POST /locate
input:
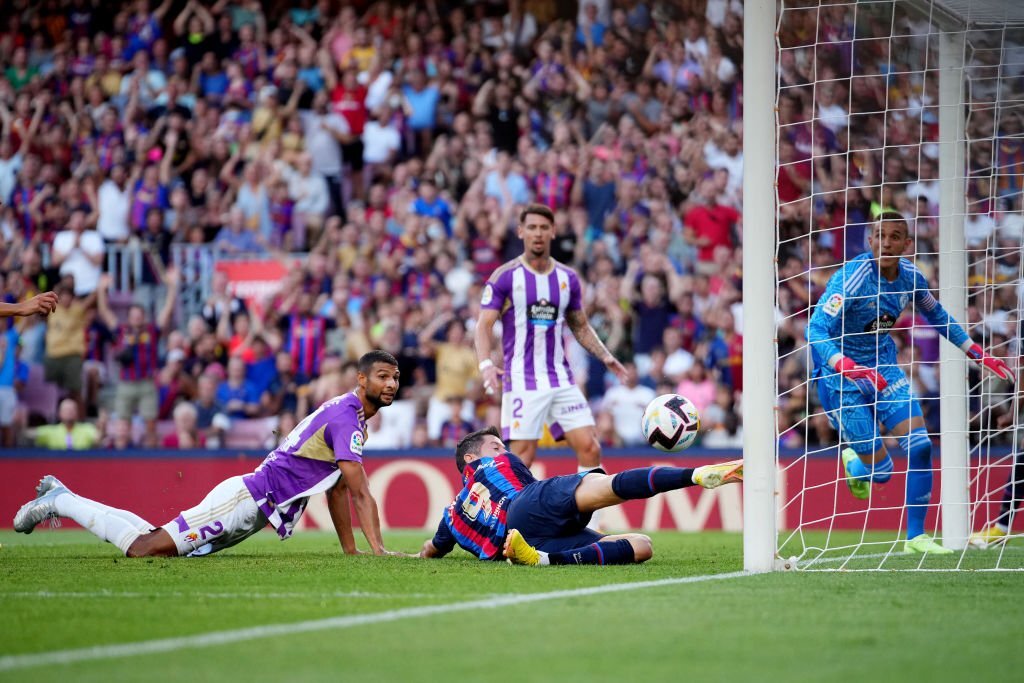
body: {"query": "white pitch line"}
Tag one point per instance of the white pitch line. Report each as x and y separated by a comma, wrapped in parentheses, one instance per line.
(12, 662)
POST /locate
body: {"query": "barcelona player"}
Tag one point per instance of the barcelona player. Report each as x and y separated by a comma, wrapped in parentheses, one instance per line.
(503, 511)
(855, 366)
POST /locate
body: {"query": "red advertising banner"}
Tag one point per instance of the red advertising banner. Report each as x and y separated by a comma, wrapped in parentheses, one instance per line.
(412, 490)
(254, 280)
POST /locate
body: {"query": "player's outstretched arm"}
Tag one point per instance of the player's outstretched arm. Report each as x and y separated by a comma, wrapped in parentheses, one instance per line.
(366, 506)
(341, 516)
(937, 316)
(588, 339)
(43, 304)
(483, 340)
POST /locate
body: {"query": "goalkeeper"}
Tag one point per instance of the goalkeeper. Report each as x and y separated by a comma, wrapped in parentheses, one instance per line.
(859, 382)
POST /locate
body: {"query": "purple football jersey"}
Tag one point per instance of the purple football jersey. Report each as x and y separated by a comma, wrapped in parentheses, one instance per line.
(533, 307)
(305, 463)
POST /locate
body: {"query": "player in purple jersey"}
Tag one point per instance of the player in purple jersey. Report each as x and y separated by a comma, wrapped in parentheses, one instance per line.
(323, 454)
(536, 297)
(502, 510)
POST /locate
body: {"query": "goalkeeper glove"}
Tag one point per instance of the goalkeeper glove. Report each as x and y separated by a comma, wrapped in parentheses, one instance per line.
(868, 380)
(995, 365)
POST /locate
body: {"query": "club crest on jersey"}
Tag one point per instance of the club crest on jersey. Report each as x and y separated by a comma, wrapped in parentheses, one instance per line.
(542, 313)
(904, 298)
(487, 296)
(356, 444)
(834, 305)
(884, 322)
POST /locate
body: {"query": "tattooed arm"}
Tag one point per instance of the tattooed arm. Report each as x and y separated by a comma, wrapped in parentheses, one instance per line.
(587, 337)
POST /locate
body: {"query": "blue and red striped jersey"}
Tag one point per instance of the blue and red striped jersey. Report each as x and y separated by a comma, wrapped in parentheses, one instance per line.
(142, 347)
(475, 520)
(307, 343)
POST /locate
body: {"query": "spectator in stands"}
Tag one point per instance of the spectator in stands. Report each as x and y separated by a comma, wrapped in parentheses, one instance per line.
(66, 343)
(710, 225)
(186, 433)
(78, 253)
(136, 348)
(237, 394)
(13, 375)
(69, 433)
(282, 394)
(456, 370)
(626, 403)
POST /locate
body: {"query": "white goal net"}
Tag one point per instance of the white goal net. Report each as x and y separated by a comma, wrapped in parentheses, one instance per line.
(916, 108)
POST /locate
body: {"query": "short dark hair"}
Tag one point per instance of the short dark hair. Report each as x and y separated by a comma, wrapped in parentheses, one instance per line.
(471, 443)
(538, 209)
(367, 360)
(894, 216)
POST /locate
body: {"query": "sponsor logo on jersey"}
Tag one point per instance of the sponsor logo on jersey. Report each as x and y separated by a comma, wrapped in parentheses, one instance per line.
(356, 444)
(882, 323)
(542, 313)
(487, 296)
(834, 305)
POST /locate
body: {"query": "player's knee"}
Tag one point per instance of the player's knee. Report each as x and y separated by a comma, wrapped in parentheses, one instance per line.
(643, 550)
(918, 445)
(590, 454)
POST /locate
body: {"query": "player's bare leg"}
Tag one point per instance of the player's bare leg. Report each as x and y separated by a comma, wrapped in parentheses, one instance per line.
(586, 446)
(156, 543)
(526, 450)
(584, 442)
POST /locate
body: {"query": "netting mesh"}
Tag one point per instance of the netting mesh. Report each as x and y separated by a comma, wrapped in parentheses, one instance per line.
(858, 110)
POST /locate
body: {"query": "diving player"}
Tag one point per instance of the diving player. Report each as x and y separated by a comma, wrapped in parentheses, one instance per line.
(502, 510)
(859, 382)
(322, 454)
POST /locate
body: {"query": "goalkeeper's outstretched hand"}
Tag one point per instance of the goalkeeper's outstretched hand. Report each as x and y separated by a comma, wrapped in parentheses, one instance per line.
(996, 366)
(867, 380)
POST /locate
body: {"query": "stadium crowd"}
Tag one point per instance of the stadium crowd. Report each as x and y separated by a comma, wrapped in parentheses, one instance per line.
(390, 145)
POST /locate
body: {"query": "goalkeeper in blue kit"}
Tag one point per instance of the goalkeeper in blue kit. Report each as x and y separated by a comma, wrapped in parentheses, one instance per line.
(859, 382)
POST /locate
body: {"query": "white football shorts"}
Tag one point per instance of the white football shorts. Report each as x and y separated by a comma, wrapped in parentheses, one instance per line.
(524, 413)
(227, 516)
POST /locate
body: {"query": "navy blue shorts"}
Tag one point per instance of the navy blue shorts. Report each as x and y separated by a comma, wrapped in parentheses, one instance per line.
(545, 513)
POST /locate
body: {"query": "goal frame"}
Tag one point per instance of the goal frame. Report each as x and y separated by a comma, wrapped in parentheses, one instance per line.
(761, 494)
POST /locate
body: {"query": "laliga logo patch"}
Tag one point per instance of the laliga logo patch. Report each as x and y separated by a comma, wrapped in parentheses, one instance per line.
(356, 444)
(487, 296)
(834, 305)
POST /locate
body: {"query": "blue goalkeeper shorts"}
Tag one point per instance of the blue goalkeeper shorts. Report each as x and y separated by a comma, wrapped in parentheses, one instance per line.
(856, 417)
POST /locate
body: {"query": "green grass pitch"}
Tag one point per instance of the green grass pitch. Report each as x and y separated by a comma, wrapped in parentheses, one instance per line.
(63, 590)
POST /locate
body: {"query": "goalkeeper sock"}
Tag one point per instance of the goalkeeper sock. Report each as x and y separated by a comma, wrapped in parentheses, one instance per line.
(645, 482)
(881, 471)
(119, 527)
(602, 552)
(919, 480)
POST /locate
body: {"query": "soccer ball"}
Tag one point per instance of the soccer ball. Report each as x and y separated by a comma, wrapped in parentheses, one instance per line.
(671, 423)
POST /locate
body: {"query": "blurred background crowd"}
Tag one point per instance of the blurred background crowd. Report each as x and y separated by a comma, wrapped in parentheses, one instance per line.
(378, 153)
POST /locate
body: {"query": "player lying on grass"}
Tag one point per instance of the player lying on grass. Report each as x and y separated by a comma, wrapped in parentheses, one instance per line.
(323, 453)
(859, 381)
(503, 509)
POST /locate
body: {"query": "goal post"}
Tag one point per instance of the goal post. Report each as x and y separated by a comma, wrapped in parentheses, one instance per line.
(759, 350)
(953, 287)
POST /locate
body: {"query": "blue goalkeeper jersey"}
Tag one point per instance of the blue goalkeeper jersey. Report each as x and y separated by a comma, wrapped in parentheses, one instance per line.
(858, 308)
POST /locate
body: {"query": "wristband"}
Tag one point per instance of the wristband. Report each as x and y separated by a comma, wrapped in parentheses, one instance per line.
(484, 364)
